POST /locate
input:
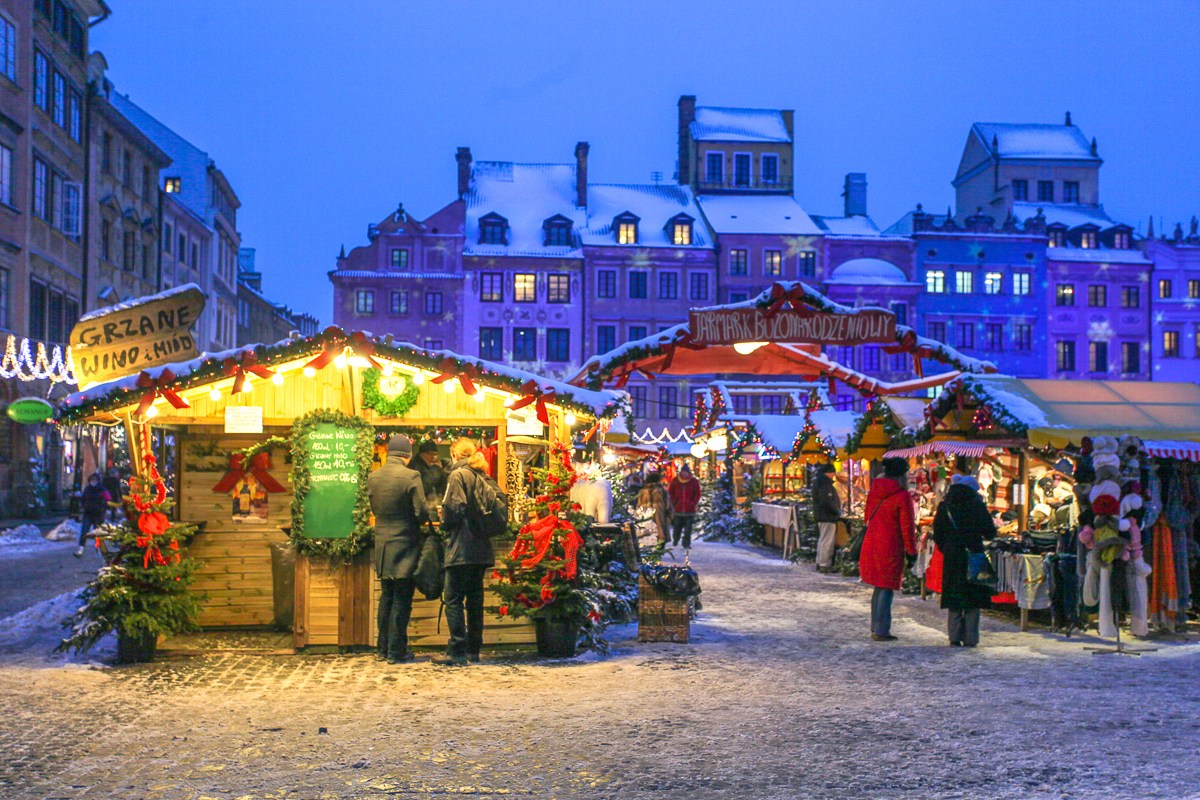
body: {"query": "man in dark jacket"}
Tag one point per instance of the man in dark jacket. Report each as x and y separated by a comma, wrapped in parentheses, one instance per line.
(94, 505)
(398, 502)
(827, 510)
(469, 554)
(432, 469)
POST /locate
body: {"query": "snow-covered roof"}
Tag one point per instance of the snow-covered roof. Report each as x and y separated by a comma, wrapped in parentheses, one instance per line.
(1070, 215)
(395, 274)
(847, 226)
(868, 272)
(206, 368)
(715, 124)
(652, 204)
(779, 431)
(779, 214)
(526, 195)
(1097, 255)
(133, 302)
(908, 411)
(1034, 140)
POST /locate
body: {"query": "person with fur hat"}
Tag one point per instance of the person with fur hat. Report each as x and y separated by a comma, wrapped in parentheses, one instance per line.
(398, 503)
(889, 538)
(654, 497)
(827, 510)
(960, 526)
(432, 469)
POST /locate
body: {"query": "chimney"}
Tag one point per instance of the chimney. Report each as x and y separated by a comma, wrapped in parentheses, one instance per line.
(855, 194)
(788, 117)
(687, 115)
(581, 153)
(463, 157)
(1068, 120)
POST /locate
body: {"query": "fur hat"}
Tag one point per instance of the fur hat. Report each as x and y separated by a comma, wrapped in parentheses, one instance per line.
(1106, 460)
(1103, 444)
(1105, 488)
(1130, 503)
(1106, 505)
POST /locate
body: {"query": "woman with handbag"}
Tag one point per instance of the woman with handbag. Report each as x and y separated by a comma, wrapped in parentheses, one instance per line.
(961, 524)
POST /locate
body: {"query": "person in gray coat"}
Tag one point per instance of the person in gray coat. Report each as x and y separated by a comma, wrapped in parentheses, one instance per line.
(398, 502)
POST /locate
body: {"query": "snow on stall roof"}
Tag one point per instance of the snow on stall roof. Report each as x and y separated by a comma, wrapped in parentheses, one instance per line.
(137, 301)
(868, 272)
(526, 195)
(779, 430)
(653, 204)
(596, 399)
(908, 411)
(847, 226)
(1035, 140)
(779, 214)
(717, 124)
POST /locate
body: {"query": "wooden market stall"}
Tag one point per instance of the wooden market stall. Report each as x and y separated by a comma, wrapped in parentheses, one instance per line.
(238, 418)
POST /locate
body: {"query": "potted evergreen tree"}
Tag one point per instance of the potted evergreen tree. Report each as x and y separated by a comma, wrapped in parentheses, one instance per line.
(142, 592)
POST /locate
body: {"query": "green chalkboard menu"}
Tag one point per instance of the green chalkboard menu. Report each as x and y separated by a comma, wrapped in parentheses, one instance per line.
(331, 460)
(333, 473)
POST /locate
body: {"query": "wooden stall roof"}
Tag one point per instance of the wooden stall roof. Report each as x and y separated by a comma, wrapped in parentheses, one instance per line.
(1057, 413)
(361, 349)
(672, 352)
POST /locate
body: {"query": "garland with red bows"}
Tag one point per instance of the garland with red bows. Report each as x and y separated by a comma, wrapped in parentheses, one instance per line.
(255, 460)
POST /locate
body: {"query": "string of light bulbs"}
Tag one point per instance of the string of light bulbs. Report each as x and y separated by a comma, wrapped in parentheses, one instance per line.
(53, 364)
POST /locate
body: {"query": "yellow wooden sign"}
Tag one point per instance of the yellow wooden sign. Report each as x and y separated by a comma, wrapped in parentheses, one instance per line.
(112, 343)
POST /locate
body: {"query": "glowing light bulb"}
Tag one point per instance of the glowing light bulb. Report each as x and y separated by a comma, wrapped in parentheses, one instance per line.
(698, 450)
(570, 419)
(448, 387)
(340, 361)
(247, 385)
(609, 457)
(418, 379)
(478, 397)
(309, 372)
(214, 394)
(746, 348)
(387, 368)
(151, 412)
(277, 379)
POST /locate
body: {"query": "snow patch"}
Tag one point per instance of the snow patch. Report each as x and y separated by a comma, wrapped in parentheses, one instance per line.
(22, 534)
(65, 531)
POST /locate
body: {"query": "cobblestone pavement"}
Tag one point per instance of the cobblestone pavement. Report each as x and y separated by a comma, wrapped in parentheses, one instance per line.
(780, 695)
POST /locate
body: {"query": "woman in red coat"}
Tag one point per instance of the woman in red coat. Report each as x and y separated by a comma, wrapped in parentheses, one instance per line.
(890, 537)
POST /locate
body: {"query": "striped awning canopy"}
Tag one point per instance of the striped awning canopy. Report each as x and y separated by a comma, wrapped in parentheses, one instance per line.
(1168, 448)
(952, 448)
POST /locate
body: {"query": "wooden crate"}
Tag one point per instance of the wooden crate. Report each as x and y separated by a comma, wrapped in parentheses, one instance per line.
(661, 617)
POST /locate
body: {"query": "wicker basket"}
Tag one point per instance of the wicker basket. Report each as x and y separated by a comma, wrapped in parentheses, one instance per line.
(661, 617)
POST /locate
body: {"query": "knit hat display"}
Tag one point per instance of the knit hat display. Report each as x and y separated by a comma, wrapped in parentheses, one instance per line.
(1103, 444)
(1105, 488)
(1106, 505)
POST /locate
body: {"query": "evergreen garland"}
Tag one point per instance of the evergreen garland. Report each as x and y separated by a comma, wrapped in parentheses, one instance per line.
(362, 535)
(385, 406)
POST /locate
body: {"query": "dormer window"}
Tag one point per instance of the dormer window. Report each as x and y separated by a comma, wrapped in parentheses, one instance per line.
(1057, 234)
(679, 229)
(557, 232)
(625, 226)
(1087, 240)
(1084, 236)
(493, 229)
(1121, 240)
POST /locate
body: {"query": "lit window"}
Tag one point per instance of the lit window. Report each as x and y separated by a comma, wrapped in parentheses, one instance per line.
(558, 288)
(491, 287)
(935, 281)
(525, 287)
(993, 283)
(1088, 240)
(738, 263)
(1064, 294)
(1097, 296)
(1097, 356)
(1020, 282)
(1170, 344)
(964, 282)
(525, 344)
(627, 233)
(772, 263)
(1164, 289)
(173, 185)
(364, 301)
(400, 302)
(1057, 237)
(1194, 289)
(681, 233)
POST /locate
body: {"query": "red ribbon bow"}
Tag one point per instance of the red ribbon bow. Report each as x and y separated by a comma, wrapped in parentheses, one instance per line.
(542, 532)
(362, 346)
(258, 466)
(535, 394)
(334, 342)
(781, 297)
(158, 387)
(467, 374)
(248, 363)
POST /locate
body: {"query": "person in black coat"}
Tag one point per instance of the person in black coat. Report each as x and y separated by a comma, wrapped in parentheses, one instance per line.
(398, 502)
(469, 554)
(827, 510)
(433, 471)
(960, 526)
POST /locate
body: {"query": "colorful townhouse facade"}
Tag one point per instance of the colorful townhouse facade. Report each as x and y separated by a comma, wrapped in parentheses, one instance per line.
(1175, 304)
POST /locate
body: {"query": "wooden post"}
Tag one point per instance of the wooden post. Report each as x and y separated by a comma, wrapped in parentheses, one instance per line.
(300, 599)
(1023, 479)
(133, 441)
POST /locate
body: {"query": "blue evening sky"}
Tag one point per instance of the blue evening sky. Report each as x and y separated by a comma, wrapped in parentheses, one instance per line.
(324, 114)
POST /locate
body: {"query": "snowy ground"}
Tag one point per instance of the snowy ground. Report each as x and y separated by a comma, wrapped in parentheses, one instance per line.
(781, 694)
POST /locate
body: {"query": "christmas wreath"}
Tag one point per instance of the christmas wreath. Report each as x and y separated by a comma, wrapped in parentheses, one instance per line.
(362, 534)
(396, 406)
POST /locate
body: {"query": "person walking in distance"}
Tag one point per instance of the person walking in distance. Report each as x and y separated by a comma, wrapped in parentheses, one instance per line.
(684, 494)
(472, 510)
(94, 506)
(398, 503)
(116, 493)
(654, 497)
(889, 538)
(961, 524)
(827, 510)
